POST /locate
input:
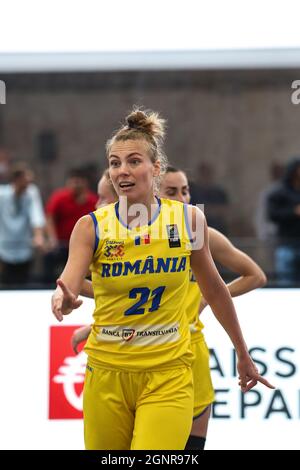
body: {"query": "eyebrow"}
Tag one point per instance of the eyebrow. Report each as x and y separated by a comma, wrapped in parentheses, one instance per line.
(128, 156)
(175, 187)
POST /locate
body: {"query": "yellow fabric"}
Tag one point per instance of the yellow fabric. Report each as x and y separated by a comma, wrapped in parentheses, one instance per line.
(192, 309)
(140, 291)
(137, 410)
(203, 388)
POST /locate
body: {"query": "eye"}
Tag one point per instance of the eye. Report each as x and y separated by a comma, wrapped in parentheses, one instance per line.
(134, 161)
(114, 163)
(171, 192)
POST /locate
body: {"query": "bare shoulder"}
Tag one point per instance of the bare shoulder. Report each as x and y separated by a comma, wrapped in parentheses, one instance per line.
(195, 215)
(197, 227)
(84, 229)
(85, 222)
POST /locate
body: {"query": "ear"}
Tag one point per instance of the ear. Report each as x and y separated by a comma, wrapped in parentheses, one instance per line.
(156, 168)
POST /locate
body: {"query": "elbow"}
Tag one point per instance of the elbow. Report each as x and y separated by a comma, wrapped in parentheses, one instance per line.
(261, 279)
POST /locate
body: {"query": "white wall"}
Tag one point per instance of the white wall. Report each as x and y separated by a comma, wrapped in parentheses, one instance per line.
(57, 34)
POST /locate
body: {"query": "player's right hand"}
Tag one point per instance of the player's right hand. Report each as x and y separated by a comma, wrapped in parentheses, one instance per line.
(63, 300)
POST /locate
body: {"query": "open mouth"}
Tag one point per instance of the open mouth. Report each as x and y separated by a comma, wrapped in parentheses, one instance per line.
(126, 185)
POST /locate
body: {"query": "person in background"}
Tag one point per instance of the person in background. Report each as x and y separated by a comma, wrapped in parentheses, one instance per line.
(265, 228)
(204, 190)
(106, 191)
(63, 209)
(5, 163)
(22, 225)
(284, 211)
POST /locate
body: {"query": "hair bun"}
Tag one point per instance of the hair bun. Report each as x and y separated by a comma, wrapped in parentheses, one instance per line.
(137, 120)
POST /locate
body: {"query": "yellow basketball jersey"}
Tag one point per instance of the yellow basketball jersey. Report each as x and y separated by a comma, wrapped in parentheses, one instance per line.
(192, 309)
(140, 278)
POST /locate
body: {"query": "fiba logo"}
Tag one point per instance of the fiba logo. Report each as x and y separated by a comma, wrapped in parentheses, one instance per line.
(2, 92)
(66, 375)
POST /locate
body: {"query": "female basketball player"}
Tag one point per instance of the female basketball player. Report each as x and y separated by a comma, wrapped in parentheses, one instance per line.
(174, 185)
(138, 391)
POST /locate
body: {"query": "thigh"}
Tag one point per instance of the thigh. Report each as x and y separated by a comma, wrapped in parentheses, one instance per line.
(203, 388)
(200, 424)
(164, 411)
(108, 419)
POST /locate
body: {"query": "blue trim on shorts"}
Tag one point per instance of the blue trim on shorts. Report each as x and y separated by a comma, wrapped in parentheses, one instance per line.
(96, 230)
(202, 412)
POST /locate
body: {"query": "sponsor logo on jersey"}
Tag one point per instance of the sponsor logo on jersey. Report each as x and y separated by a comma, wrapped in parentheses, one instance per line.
(128, 334)
(149, 265)
(114, 249)
(173, 236)
(141, 336)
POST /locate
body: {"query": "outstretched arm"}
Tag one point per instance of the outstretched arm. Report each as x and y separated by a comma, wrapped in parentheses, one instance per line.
(81, 250)
(218, 297)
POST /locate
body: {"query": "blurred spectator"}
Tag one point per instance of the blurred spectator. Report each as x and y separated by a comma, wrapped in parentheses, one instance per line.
(4, 166)
(264, 227)
(64, 207)
(284, 211)
(92, 172)
(22, 223)
(205, 191)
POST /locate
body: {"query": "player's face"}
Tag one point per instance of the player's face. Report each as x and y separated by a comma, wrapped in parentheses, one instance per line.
(131, 170)
(105, 193)
(175, 186)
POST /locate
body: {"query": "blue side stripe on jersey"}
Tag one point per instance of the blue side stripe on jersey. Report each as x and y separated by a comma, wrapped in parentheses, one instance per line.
(96, 231)
(186, 218)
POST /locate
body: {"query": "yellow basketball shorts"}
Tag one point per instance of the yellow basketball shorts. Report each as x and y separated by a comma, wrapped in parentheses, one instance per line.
(137, 410)
(203, 388)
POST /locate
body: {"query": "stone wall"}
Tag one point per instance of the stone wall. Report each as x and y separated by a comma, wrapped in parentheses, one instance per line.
(240, 121)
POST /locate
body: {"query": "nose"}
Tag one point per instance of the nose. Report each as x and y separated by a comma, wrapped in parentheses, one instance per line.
(180, 198)
(124, 169)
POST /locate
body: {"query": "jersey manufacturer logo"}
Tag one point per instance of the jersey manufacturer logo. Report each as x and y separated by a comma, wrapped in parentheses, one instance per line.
(114, 250)
(173, 236)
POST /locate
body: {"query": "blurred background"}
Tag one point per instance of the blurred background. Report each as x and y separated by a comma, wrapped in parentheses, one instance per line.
(225, 88)
(224, 74)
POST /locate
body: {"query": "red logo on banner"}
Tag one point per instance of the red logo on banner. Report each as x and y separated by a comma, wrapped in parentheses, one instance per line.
(66, 375)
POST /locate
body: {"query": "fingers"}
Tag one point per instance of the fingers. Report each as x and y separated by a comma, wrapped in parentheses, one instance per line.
(64, 288)
(246, 383)
(57, 312)
(74, 344)
(245, 387)
(56, 306)
(265, 382)
(77, 303)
